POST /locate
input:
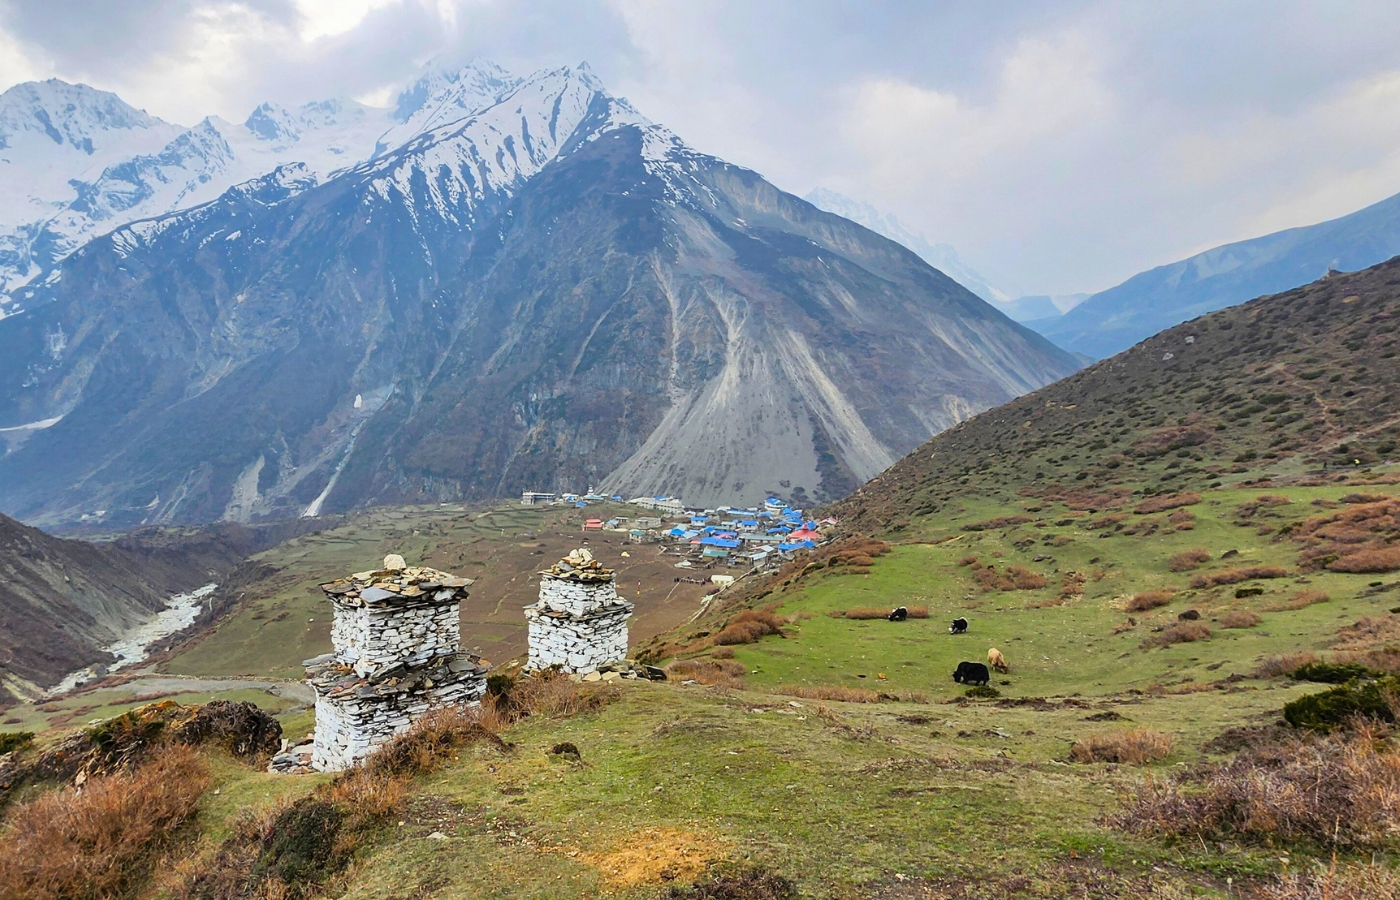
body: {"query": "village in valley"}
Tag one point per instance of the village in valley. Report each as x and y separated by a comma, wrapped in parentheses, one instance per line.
(746, 538)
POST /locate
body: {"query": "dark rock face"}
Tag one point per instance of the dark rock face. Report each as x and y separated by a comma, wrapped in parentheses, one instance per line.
(581, 301)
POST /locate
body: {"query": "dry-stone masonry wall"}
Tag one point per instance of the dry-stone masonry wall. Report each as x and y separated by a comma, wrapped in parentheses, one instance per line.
(397, 655)
(579, 623)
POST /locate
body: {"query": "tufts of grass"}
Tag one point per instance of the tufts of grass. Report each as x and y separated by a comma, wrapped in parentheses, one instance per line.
(1284, 664)
(1136, 746)
(836, 692)
(743, 884)
(727, 673)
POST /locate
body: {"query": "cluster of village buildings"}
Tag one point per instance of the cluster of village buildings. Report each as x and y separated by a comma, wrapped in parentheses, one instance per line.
(758, 536)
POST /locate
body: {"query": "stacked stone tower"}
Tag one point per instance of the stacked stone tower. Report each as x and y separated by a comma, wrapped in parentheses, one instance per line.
(579, 623)
(397, 639)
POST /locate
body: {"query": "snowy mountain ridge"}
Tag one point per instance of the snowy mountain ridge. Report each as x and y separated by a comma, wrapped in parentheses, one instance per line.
(121, 165)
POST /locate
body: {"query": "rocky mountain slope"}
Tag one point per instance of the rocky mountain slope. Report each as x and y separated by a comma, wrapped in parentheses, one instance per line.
(113, 164)
(551, 291)
(1304, 381)
(1115, 319)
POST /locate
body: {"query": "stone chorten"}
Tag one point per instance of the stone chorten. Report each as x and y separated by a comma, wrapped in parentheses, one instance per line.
(397, 637)
(579, 623)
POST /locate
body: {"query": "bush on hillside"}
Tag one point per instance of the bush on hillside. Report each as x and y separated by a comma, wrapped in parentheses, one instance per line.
(1331, 673)
(1180, 633)
(1324, 789)
(11, 741)
(1240, 618)
(748, 626)
(1235, 576)
(1382, 559)
(1344, 705)
(1187, 560)
(101, 839)
(1285, 664)
(1145, 600)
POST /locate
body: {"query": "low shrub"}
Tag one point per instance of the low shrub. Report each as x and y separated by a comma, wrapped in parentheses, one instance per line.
(1330, 673)
(1235, 576)
(1180, 633)
(1344, 705)
(1382, 559)
(867, 613)
(101, 839)
(722, 653)
(1299, 600)
(1145, 600)
(1161, 504)
(1136, 746)
(1240, 618)
(982, 692)
(1026, 580)
(748, 626)
(1341, 788)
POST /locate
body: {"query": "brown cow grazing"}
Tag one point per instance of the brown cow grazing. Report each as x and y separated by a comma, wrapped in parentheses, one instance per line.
(998, 661)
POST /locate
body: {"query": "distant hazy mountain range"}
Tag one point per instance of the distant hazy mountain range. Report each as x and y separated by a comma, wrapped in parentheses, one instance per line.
(945, 259)
(1115, 319)
(499, 284)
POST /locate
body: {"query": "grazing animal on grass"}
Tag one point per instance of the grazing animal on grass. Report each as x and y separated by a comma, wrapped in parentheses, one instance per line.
(899, 614)
(972, 673)
(959, 626)
(997, 661)
(1190, 615)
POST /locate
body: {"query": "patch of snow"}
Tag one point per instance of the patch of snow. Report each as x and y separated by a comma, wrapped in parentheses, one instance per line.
(33, 426)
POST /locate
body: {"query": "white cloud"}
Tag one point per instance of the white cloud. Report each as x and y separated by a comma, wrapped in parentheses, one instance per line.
(17, 64)
(324, 18)
(909, 134)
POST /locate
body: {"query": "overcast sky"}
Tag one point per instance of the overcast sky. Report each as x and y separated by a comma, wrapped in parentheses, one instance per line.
(1060, 147)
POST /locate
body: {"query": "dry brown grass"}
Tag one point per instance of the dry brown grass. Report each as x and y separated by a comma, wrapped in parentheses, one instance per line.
(1180, 633)
(1285, 664)
(1235, 576)
(835, 692)
(1187, 560)
(1379, 559)
(1015, 578)
(1136, 746)
(1342, 790)
(1161, 504)
(722, 653)
(1145, 600)
(1347, 882)
(99, 841)
(1299, 600)
(1240, 618)
(726, 673)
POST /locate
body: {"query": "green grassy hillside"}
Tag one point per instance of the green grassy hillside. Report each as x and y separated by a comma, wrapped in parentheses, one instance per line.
(1302, 382)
